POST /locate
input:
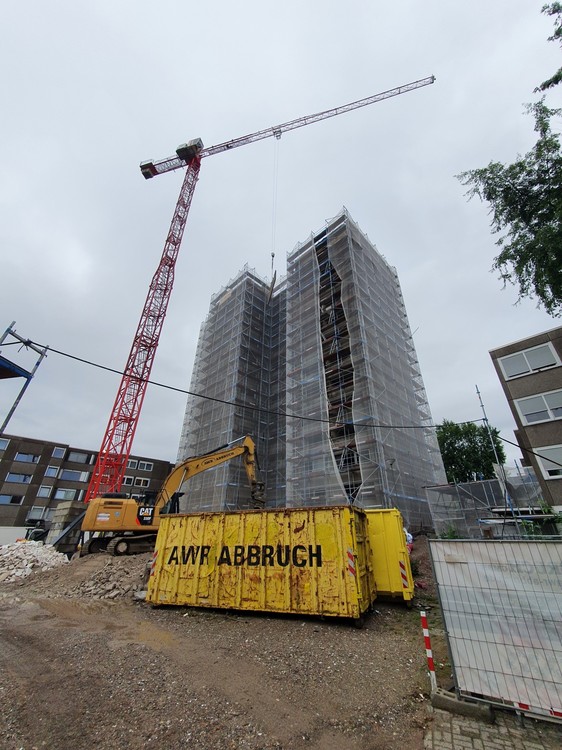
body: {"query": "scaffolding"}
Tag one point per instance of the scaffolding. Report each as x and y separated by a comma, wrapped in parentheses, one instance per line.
(239, 369)
(10, 369)
(330, 347)
(351, 364)
(509, 507)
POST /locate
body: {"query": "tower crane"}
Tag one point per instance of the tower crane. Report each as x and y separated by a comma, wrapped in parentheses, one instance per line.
(118, 438)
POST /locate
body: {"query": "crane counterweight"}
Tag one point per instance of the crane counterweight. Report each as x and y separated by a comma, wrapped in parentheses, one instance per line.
(187, 151)
(148, 169)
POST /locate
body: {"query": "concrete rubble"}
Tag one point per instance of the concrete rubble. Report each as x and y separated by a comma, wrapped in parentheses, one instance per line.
(20, 559)
(51, 574)
(118, 578)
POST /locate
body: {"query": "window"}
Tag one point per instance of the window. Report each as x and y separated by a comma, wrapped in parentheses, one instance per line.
(11, 499)
(27, 458)
(132, 464)
(36, 513)
(141, 482)
(145, 466)
(529, 360)
(51, 471)
(4, 442)
(59, 452)
(44, 491)
(127, 481)
(74, 476)
(550, 461)
(540, 408)
(79, 458)
(65, 494)
(21, 478)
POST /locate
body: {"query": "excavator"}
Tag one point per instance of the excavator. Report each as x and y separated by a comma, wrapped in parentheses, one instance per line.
(126, 526)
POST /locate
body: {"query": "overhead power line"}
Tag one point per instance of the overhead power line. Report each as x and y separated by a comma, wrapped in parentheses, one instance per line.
(270, 411)
(280, 413)
(250, 407)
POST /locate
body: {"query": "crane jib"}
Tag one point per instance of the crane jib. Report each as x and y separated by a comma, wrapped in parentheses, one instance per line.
(153, 168)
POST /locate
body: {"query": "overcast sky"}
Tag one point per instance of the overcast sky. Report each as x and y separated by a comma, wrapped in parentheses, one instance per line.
(89, 90)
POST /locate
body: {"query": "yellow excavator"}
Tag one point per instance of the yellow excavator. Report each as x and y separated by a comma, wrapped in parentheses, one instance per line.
(127, 526)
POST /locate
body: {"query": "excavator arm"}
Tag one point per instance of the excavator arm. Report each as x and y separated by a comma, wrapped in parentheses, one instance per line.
(125, 526)
(167, 500)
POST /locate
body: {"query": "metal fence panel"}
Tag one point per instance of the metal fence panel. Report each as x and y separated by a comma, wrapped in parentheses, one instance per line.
(502, 606)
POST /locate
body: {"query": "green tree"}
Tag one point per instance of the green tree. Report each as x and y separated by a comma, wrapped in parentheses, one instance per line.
(525, 201)
(467, 450)
(553, 9)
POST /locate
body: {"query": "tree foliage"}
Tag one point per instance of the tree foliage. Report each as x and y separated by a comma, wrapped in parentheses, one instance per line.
(553, 9)
(525, 201)
(467, 450)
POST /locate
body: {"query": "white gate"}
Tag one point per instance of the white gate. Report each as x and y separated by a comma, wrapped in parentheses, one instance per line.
(502, 606)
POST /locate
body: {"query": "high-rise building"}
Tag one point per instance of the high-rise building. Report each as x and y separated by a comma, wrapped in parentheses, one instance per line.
(240, 369)
(323, 373)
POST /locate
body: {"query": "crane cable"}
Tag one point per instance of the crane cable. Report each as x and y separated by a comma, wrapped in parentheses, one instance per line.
(274, 198)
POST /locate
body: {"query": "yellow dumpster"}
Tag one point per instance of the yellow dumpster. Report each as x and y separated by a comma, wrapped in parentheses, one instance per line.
(306, 561)
(389, 555)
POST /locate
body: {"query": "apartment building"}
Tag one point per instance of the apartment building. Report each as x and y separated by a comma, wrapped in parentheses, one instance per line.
(530, 372)
(35, 475)
(322, 372)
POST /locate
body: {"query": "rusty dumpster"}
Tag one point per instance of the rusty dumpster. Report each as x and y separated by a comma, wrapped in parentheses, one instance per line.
(390, 558)
(305, 561)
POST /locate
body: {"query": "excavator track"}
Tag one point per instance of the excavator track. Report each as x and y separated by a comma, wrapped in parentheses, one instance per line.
(93, 546)
(131, 544)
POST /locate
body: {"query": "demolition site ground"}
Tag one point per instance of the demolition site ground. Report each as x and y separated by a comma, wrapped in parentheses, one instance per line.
(83, 665)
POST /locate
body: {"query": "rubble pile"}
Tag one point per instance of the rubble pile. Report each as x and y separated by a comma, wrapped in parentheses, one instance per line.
(20, 559)
(98, 576)
(120, 577)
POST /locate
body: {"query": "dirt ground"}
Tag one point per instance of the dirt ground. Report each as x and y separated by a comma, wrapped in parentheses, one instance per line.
(78, 673)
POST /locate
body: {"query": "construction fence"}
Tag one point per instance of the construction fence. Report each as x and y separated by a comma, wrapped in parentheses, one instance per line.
(502, 607)
(490, 508)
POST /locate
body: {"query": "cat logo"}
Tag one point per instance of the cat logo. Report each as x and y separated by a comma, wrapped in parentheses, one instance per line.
(145, 515)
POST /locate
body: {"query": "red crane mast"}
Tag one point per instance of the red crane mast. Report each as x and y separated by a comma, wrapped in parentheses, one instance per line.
(118, 438)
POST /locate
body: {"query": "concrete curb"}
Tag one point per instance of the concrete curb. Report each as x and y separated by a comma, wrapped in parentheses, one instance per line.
(449, 702)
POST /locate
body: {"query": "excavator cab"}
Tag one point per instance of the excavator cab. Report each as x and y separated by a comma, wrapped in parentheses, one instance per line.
(148, 498)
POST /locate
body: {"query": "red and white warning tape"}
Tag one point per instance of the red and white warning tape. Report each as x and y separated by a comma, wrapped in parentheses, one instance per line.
(428, 651)
(552, 712)
(351, 562)
(403, 575)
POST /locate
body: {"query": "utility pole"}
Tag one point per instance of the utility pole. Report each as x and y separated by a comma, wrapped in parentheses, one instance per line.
(503, 476)
(28, 375)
